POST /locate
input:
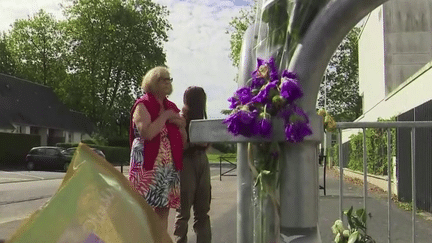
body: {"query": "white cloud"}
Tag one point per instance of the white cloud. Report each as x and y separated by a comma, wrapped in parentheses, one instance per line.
(197, 49)
(22, 9)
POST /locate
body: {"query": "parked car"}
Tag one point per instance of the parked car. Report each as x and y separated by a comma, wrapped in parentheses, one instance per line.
(47, 156)
(70, 152)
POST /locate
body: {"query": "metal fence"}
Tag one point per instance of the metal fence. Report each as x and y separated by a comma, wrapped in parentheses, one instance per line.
(423, 157)
(413, 128)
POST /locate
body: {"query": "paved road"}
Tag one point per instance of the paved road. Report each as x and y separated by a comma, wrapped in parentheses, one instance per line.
(22, 192)
(224, 213)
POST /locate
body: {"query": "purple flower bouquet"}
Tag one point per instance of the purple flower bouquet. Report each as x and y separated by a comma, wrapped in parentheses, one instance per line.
(268, 95)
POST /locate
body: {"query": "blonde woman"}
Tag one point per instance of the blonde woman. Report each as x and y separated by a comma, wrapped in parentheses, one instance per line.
(157, 135)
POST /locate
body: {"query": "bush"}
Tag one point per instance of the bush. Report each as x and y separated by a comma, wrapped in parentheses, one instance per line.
(225, 147)
(66, 145)
(333, 153)
(114, 155)
(118, 142)
(88, 141)
(14, 148)
(376, 146)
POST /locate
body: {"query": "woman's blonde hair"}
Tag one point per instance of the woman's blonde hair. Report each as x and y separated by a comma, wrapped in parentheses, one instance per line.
(151, 77)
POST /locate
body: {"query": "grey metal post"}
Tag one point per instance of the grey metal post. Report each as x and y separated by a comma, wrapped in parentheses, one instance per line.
(389, 174)
(413, 184)
(365, 173)
(244, 196)
(299, 187)
(244, 181)
(309, 62)
(341, 175)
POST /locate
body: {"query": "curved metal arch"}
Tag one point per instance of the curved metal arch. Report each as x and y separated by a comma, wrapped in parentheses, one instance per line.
(322, 38)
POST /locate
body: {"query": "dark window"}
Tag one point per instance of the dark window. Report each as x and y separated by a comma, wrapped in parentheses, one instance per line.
(37, 151)
(51, 152)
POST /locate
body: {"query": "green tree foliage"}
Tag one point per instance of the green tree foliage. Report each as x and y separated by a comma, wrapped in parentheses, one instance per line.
(340, 83)
(113, 43)
(7, 64)
(95, 59)
(37, 46)
(237, 28)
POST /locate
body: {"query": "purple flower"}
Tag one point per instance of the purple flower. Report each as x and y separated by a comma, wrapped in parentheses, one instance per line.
(233, 102)
(290, 90)
(273, 70)
(266, 70)
(265, 128)
(286, 113)
(244, 95)
(299, 114)
(242, 123)
(296, 132)
(257, 82)
(289, 75)
(263, 96)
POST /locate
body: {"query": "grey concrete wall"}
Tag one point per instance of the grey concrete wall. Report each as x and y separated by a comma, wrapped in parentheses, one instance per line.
(407, 39)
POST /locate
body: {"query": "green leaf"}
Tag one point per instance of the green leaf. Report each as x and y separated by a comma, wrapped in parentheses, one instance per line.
(353, 237)
(361, 214)
(348, 213)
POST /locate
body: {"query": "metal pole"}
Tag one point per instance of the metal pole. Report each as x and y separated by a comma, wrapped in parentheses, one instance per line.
(413, 183)
(340, 176)
(299, 192)
(244, 198)
(220, 168)
(244, 180)
(389, 166)
(365, 172)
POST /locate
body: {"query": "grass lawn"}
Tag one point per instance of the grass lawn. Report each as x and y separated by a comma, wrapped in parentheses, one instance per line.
(214, 158)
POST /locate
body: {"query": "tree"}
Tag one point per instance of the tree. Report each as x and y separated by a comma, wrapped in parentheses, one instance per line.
(113, 43)
(37, 46)
(341, 78)
(237, 28)
(340, 85)
(7, 65)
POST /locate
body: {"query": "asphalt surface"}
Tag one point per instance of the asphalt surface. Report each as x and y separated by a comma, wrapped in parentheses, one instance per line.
(223, 211)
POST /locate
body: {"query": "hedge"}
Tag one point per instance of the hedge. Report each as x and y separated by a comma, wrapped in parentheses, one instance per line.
(376, 146)
(15, 146)
(114, 155)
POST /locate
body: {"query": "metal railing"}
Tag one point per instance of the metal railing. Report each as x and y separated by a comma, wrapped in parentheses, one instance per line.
(385, 125)
(226, 158)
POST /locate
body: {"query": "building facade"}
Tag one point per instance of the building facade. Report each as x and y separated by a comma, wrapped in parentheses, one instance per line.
(30, 108)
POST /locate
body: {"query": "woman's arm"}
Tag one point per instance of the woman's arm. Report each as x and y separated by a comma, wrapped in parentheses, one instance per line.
(147, 129)
(184, 136)
(180, 122)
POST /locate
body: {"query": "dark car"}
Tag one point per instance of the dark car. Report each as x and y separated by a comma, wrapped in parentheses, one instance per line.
(70, 152)
(47, 157)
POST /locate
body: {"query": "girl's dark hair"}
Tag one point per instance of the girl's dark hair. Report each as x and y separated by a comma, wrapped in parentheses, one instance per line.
(195, 98)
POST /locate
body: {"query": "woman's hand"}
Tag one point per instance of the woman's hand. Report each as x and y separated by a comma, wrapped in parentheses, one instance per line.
(170, 114)
(178, 121)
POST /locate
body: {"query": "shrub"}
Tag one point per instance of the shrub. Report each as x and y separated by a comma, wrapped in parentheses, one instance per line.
(114, 155)
(376, 149)
(225, 147)
(118, 142)
(14, 148)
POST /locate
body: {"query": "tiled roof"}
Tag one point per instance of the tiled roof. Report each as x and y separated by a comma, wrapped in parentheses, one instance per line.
(32, 104)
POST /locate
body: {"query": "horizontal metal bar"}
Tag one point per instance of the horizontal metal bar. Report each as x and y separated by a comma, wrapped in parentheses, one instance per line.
(213, 130)
(396, 124)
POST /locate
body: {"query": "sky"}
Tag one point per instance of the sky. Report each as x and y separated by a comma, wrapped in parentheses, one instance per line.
(197, 49)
